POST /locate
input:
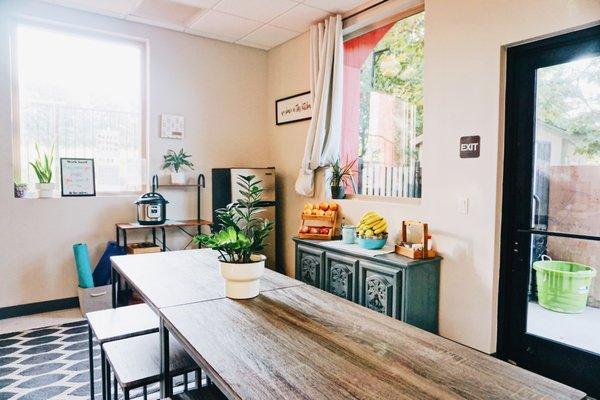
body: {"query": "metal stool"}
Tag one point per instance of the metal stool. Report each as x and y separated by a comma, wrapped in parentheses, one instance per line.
(210, 392)
(135, 363)
(116, 324)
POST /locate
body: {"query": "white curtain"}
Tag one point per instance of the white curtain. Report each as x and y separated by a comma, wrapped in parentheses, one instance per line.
(326, 79)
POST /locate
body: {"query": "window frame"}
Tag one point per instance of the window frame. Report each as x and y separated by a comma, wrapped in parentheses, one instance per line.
(353, 27)
(112, 37)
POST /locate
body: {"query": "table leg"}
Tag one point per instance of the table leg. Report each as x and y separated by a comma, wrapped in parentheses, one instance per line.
(115, 291)
(91, 350)
(165, 382)
(164, 237)
(103, 370)
(154, 236)
(118, 236)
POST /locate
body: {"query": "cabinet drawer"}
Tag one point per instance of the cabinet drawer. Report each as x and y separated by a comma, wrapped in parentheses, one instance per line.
(380, 288)
(341, 276)
(310, 265)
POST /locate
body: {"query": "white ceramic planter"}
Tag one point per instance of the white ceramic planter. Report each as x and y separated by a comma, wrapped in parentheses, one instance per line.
(178, 178)
(45, 190)
(242, 281)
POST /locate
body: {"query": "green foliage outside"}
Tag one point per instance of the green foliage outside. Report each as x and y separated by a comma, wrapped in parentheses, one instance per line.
(402, 47)
(568, 98)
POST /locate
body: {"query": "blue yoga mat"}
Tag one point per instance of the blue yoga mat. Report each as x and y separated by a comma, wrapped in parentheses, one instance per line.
(102, 270)
(82, 262)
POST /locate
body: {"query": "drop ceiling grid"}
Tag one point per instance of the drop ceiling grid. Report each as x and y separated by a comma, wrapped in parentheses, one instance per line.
(262, 24)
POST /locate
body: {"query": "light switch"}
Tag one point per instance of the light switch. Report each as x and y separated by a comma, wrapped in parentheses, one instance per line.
(463, 205)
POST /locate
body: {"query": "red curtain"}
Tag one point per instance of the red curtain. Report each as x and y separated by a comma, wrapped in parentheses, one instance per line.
(356, 52)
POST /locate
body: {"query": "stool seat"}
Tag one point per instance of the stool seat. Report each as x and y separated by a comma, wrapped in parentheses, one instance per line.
(135, 361)
(123, 322)
(204, 393)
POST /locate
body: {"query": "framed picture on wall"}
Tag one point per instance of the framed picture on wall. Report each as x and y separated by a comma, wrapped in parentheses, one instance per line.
(77, 177)
(293, 109)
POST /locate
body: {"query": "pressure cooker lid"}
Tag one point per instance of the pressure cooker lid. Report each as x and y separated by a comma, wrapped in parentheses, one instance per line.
(151, 198)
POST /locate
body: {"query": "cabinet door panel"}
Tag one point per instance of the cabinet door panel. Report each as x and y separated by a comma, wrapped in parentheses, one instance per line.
(380, 289)
(341, 275)
(310, 264)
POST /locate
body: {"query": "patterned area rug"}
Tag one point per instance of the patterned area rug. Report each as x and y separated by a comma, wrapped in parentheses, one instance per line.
(52, 363)
(47, 363)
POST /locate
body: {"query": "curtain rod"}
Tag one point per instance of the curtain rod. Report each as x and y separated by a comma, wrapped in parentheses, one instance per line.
(366, 9)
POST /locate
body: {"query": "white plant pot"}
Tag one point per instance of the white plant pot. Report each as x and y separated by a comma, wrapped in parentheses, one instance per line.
(178, 178)
(45, 190)
(242, 281)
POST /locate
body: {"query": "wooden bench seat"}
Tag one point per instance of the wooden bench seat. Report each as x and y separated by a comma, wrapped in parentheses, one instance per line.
(135, 362)
(116, 324)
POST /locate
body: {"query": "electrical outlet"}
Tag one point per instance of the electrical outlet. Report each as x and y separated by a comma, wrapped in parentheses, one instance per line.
(463, 205)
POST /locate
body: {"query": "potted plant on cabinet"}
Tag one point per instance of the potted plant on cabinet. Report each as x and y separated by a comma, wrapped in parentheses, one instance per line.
(176, 162)
(339, 178)
(43, 170)
(239, 241)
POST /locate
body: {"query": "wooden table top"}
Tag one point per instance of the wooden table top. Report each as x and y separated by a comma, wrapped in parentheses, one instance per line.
(179, 277)
(168, 223)
(304, 343)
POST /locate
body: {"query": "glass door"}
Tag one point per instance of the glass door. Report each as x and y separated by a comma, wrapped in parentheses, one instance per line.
(549, 293)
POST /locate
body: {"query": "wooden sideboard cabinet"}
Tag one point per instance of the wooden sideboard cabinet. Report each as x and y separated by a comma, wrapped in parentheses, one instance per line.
(390, 284)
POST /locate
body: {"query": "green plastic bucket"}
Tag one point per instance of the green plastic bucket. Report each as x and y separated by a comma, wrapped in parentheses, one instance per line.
(563, 286)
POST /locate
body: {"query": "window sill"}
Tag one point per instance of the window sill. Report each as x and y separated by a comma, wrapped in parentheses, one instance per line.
(102, 195)
(381, 199)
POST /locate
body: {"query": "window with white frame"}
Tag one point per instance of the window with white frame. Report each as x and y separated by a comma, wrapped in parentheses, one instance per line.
(383, 107)
(82, 95)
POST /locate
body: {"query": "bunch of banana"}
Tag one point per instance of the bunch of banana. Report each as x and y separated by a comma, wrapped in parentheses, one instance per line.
(371, 225)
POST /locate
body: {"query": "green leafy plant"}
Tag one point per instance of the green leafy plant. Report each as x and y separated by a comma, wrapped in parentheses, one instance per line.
(43, 165)
(177, 160)
(341, 175)
(242, 231)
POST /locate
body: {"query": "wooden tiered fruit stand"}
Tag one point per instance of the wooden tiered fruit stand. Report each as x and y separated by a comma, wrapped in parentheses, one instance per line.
(317, 221)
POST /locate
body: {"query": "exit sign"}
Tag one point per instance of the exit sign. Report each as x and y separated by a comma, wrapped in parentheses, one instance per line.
(469, 146)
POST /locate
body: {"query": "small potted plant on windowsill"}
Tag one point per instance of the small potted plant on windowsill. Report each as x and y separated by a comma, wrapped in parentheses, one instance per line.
(239, 242)
(176, 162)
(43, 170)
(339, 177)
(20, 190)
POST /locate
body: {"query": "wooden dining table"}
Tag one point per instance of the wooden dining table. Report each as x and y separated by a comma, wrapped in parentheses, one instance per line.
(294, 341)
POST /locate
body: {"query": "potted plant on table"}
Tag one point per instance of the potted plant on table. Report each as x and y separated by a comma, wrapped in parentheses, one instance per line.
(339, 178)
(43, 170)
(176, 162)
(240, 239)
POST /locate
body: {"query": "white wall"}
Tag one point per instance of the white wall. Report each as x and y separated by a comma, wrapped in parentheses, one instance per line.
(463, 96)
(218, 87)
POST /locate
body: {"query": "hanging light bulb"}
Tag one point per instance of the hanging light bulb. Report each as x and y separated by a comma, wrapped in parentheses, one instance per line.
(389, 65)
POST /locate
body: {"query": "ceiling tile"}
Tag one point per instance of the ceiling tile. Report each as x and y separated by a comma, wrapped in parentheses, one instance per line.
(108, 7)
(270, 36)
(222, 24)
(198, 3)
(335, 6)
(166, 11)
(259, 10)
(299, 18)
(155, 22)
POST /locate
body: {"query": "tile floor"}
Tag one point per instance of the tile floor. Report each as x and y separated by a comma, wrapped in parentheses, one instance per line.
(579, 330)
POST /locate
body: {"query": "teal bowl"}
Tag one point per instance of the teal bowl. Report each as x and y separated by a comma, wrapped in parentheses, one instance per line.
(371, 243)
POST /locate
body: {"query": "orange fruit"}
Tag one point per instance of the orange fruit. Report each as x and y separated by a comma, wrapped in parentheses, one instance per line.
(324, 206)
(333, 206)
